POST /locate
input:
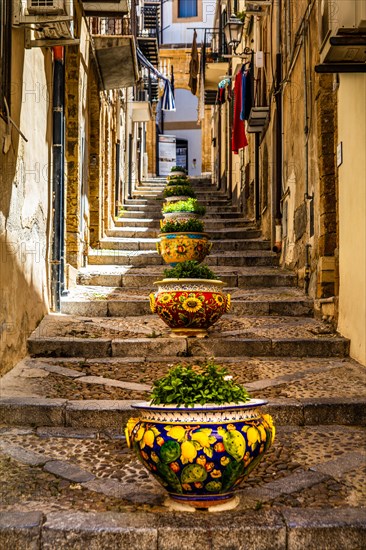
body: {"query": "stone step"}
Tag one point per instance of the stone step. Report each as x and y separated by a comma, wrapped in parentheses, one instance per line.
(125, 236)
(128, 276)
(151, 257)
(153, 214)
(222, 245)
(210, 223)
(73, 336)
(119, 302)
(312, 391)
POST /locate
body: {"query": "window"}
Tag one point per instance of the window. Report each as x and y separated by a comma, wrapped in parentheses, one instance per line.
(187, 8)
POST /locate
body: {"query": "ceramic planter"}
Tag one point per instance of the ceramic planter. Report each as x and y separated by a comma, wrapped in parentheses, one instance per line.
(189, 306)
(180, 247)
(201, 454)
(177, 174)
(176, 198)
(180, 216)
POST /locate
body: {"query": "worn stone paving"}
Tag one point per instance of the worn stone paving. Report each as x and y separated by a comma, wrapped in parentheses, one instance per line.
(132, 379)
(48, 469)
(153, 327)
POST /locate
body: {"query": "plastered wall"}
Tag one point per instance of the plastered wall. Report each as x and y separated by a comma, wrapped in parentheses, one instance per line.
(352, 206)
(24, 202)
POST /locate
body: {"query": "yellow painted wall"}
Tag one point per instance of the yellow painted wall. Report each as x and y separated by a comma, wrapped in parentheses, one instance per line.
(24, 202)
(352, 212)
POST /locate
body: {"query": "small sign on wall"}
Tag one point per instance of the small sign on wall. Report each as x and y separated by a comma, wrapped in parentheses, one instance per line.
(339, 154)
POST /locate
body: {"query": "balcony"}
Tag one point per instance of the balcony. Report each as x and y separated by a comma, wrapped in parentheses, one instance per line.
(115, 50)
(214, 62)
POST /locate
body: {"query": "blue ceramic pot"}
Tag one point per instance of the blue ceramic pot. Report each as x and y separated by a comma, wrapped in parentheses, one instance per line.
(201, 454)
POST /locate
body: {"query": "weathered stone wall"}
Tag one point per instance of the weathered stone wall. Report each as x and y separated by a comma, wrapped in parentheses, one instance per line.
(73, 160)
(24, 201)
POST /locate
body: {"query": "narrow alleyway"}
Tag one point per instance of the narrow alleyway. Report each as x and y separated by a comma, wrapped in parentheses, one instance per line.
(62, 448)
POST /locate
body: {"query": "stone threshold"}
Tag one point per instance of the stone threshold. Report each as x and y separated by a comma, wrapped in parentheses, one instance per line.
(113, 414)
(288, 529)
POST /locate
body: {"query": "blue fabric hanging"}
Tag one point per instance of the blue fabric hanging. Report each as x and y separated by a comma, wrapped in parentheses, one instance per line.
(168, 101)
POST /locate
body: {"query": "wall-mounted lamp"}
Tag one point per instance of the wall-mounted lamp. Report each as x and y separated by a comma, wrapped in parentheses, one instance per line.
(233, 33)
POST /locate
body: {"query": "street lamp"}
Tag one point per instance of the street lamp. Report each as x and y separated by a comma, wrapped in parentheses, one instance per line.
(233, 31)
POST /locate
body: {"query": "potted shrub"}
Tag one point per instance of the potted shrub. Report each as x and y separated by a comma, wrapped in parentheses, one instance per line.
(200, 435)
(189, 299)
(182, 240)
(177, 171)
(183, 210)
(178, 192)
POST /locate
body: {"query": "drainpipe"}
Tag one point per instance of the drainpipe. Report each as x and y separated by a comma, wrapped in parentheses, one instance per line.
(307, 268)
(256, 178)
(58, 192)
(130, 146)
(306, 126)
(278, 95)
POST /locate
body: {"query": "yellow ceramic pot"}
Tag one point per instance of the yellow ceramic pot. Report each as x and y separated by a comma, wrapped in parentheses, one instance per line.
(180, 247)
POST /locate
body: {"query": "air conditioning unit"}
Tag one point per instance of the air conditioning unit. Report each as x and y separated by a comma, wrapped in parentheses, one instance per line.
(45, 20)
(45, 7)
(342, 31)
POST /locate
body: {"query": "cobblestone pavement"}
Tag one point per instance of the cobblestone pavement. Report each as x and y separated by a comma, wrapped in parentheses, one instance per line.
(47, 469)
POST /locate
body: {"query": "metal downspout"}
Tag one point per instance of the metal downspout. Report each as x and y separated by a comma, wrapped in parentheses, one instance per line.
(256, 176)
(279, 151)
(58, 178)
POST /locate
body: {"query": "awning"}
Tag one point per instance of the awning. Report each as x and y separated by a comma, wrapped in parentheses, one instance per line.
(141, 111)
(168, 101)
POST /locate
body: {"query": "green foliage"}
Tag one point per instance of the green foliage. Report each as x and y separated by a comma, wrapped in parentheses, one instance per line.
(178, 180)
(176, 226)
(190, 269)
(178, 169)
(197, 385)
(179, 190)
(189, 205)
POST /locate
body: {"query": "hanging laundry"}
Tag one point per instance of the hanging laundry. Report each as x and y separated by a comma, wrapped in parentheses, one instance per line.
(238, 139)
(194, 66)
(246, 94)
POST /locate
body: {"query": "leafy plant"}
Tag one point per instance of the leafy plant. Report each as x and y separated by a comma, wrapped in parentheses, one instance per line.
(178, 169)
(189, 269)
(179, 190)
(178, 180)
(197, 385)
(176, 226)
(189, 205)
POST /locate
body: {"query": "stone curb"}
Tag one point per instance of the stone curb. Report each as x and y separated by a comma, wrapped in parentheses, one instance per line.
(223, 347)
(107, 414)
(291, 529)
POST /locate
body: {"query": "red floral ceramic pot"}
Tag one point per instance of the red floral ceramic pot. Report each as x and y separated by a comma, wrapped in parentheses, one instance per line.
(180, 247)
(201, 454)
(189, 306)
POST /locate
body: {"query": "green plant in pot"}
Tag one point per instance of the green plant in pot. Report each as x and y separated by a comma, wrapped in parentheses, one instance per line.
(178, 192)
(177, 171)
(177, 180)
(189, 299)
(201, 434)
(183, 210)
(182, 240)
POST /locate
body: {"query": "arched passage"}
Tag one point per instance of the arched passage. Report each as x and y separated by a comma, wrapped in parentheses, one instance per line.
(182, 123)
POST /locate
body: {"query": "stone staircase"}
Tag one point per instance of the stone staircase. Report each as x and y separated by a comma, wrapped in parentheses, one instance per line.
(69, 480)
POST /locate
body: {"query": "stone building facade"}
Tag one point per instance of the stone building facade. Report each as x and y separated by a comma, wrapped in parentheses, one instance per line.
(291, 178)
(65, 168)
